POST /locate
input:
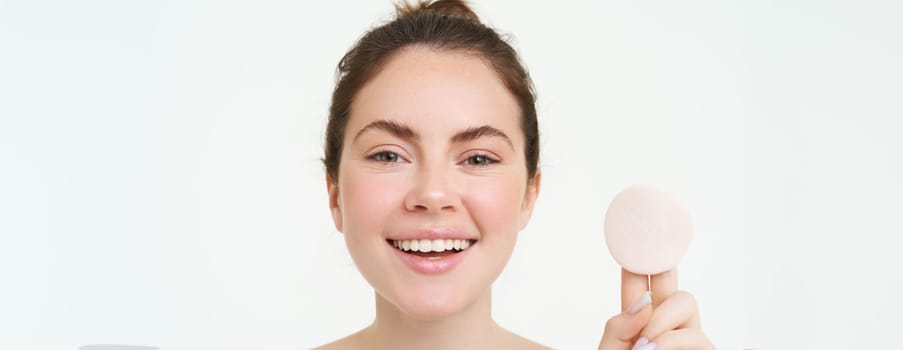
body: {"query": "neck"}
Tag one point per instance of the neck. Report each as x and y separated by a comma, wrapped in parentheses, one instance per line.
(471, 328)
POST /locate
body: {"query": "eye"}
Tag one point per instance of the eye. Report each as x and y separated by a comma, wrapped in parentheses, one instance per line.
(385, 157)
(480, 160)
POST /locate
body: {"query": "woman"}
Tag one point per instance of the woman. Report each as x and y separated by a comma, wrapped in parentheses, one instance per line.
(431, 162)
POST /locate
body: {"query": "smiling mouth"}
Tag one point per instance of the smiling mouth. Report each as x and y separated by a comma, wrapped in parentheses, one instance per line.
(435, 248)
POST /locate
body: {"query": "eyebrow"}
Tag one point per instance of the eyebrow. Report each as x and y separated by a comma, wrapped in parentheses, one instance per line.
(474, 133)
(405, 132)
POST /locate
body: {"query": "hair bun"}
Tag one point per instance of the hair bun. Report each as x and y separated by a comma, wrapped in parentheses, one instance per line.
(446, 7)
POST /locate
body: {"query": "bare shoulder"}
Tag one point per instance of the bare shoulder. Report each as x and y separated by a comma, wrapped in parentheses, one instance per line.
(524, 343)
(514, 341)
(341, 344)
(350, 342)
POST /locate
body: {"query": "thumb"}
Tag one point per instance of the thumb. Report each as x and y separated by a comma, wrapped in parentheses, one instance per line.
(622, 330)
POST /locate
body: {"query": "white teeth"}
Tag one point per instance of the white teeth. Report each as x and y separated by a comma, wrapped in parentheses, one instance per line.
(437, 245)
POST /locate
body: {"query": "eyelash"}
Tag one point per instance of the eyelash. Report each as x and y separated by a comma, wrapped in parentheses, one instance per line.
(383, 153)
(487, 159)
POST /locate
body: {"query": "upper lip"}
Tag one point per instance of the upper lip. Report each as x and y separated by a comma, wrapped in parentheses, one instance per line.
(432, 233)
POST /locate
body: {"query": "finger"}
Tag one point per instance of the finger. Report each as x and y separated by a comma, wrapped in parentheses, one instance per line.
(632, 288)
(677, 312)
(663, 286)
(622, 330)
(683, 339)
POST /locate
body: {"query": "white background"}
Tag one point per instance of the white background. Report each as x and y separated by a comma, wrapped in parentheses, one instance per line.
(161, 182)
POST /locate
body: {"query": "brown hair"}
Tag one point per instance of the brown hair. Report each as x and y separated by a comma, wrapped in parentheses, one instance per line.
(443, 25)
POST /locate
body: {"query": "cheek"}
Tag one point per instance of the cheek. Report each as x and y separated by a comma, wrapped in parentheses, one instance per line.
(368, 200)
(494, 205)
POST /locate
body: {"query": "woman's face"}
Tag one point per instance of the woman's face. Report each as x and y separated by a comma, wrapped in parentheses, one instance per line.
(433, 150)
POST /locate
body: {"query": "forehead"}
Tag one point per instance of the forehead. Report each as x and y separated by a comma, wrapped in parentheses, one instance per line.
(437, 93)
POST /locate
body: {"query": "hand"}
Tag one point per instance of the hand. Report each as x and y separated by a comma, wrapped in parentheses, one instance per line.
(671, 323)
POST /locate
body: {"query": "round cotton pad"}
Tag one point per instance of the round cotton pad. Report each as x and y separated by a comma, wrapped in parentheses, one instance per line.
(647, 230)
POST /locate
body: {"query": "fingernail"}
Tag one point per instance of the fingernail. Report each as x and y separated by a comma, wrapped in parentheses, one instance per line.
(640, 342)
(643, 301)
(649, 346)
(643, 344)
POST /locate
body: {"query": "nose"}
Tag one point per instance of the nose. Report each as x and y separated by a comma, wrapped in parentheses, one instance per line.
(432, 192)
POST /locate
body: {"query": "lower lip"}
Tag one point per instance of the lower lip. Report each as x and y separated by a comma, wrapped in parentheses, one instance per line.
(431, 266)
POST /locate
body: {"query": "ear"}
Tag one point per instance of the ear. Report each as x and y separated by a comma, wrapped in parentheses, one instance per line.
(530, 200)
(334, 206)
